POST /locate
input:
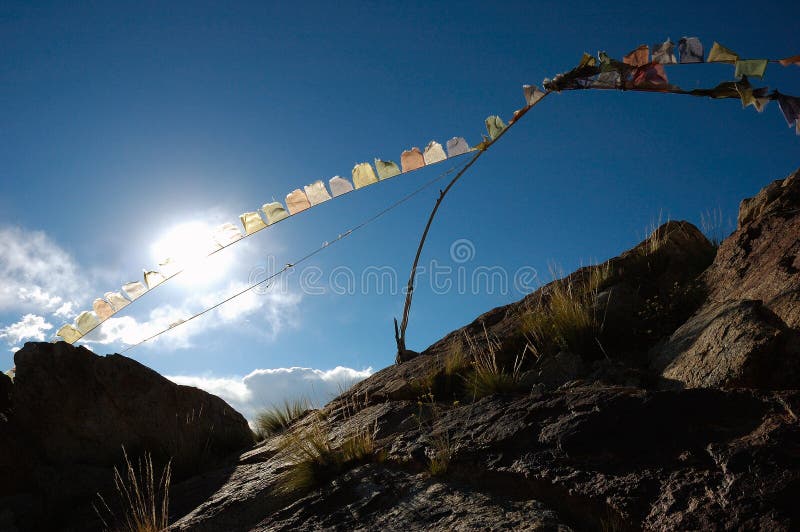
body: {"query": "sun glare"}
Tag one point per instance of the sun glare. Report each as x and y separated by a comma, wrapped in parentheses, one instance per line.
(186, 247)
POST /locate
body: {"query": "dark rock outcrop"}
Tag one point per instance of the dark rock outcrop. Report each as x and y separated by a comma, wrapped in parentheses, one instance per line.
(748, 331)
(73, 411)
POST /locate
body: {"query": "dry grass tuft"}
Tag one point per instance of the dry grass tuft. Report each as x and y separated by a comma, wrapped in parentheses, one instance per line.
(277, 419)
(144, 497)
(566, 319)
(489, 376)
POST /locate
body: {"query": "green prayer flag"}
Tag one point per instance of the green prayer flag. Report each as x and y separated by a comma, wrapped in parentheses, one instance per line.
(751, 67)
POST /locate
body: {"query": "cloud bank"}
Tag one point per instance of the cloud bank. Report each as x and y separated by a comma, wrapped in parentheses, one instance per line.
(263, 388)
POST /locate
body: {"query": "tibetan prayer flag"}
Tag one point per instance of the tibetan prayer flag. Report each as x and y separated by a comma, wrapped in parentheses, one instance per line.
(317, 193)
(86, 321)
(363, 175)
(274, 212)
(587, 60)
(169, 267)
(433, 153)
(386, 169)
(749, 96)
(226, 234)
(102, 308)
(650, 75)
(339, 186)
(153, 279)
(252, 222)
(412, 159)
(532, 94)
(690, 50)
(794, 60)
(638, 57)
(607, 80)
(751, 68)
(69, 333)
(117, 300)
(134, 290)
(457, 146)
(790, 107)
(664, 53)
(494, 126)
(720, 54)
(296, 201)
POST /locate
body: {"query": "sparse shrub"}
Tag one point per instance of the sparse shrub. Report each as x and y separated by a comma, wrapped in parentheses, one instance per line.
(143, 496)
(277, 419)
(313, 459)
(489, 376)
(567, 319)
(442, 453)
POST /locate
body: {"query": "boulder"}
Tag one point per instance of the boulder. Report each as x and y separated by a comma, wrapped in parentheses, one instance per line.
(82, 408)
(761, 259)
(732, 344)
(72, 412)
(747, 331)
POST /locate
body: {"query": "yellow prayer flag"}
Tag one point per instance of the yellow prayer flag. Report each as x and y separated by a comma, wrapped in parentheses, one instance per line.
(86, 321)
(69, 333)
(252, 222)
(274, 212)
(363, 175)
(720, 54)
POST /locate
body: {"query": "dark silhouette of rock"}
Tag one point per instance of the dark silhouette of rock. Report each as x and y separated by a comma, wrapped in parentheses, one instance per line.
(72, 412)
(81, 408)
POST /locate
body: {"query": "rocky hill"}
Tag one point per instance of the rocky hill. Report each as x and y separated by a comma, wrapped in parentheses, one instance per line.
(658, 390)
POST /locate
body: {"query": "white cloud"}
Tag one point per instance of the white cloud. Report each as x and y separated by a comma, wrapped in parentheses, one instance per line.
(67, 310)
(30, 327)
(274, 311)
(263, 388)
(38, 275)
(15, 349)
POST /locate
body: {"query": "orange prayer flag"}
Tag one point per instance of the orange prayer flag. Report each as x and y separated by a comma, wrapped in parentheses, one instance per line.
(638, 57)
(794, 60)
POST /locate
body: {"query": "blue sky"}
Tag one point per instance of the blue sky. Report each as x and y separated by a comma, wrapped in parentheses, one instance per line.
(122, 120)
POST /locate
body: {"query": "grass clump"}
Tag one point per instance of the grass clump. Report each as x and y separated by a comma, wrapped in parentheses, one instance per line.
(277, 419)
(313, 458)
(489, 375)
(143, 495)
(567, 319)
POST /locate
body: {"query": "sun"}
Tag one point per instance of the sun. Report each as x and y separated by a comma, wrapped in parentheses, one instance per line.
(186, 247)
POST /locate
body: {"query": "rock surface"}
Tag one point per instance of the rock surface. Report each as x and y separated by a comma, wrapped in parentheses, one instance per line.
(72, 412)
(748, 331)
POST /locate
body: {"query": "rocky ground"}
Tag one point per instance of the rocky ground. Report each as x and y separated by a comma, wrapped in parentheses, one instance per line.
(674, 406)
